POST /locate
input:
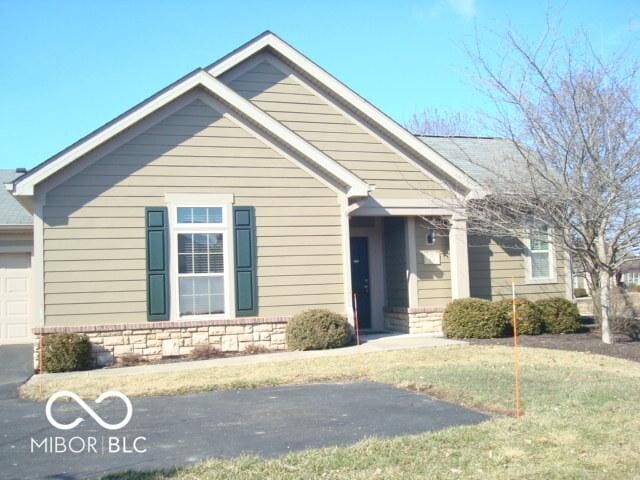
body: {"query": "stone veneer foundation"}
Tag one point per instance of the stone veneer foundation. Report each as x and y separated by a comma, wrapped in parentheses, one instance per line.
(154, 340)
(414, 320)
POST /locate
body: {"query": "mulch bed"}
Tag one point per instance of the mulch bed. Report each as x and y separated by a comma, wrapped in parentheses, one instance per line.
(589, 342)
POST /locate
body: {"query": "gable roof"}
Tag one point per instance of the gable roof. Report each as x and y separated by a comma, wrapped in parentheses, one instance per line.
(12, 213)
(270, 41)
(198, 78)
(478, 156)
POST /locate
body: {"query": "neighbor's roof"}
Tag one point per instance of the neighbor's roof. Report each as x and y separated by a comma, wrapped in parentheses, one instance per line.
(478, 157)
(632, 265)
(11, 212)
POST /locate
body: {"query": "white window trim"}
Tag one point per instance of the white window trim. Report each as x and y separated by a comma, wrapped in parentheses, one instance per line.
(553, 272)
(631, 278)
(225, 201)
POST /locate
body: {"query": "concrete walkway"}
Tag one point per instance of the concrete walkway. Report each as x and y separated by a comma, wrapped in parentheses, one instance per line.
(370, 343)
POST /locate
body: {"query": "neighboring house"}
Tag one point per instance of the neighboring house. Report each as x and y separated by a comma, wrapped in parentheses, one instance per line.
(249, 191)
(580, 282)
(16, 246)
(629, 273)
(580, 279)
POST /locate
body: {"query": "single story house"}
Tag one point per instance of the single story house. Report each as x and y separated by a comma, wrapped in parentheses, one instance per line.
(251, 190)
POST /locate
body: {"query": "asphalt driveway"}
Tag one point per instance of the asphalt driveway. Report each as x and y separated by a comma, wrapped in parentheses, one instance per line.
(186, 429)
(16, 366)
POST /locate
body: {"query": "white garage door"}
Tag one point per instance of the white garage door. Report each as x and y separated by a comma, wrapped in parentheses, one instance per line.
(15, 306)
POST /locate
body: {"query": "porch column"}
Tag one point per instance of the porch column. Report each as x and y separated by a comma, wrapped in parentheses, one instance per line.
(346, 259)
(459, 257)
(411, 260)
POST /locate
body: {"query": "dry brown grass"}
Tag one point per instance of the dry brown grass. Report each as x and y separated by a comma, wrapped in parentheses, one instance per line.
(396, 367)
(581, 418)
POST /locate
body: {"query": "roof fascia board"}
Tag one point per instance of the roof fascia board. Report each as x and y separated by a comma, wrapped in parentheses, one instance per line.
(245, 125)
(403, 212)
(403, 206)
(240, 54)
(25, 185)
(357, 187)
(244, 67)
(270, 40)
(239, 49)
(84, 160)
(427, 202)
(280, 65)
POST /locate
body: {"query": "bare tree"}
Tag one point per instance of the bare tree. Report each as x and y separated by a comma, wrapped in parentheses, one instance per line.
(573, 118)
(437, 122)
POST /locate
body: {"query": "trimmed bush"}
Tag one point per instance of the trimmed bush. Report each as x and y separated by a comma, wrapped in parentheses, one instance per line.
(580, 292)
(474, 318)
(66, 352)
(317, 329)
(530, 317)
(625, 313)
(131, 359)
(559, 315)
(202, 352)
(256, 349)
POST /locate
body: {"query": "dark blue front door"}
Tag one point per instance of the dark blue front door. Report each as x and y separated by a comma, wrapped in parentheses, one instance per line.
(360, 279)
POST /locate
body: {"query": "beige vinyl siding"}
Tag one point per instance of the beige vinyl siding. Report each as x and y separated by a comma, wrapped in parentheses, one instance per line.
(288, 100)
(493, 264)
(94, 237)
(395, 262)
(434, 281)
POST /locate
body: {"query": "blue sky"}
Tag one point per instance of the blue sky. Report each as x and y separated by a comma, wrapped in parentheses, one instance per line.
(67, 67)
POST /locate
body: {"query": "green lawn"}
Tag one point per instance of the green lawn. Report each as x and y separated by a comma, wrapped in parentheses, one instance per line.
(582, 418)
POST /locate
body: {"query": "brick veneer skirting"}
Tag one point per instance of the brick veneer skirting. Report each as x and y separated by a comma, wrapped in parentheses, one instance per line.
(154, 340)
(414, 320)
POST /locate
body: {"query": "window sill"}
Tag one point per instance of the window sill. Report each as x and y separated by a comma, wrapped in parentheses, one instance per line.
(541, 281)
(204, 318)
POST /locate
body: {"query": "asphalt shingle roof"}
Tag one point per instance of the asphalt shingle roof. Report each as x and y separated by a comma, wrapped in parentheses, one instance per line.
(11, 212)
(478, 157)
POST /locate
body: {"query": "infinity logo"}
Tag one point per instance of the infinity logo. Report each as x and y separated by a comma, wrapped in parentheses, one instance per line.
(89, 410)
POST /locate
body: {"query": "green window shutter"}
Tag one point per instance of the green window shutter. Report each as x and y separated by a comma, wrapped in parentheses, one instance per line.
(156, 223)
(244, 235)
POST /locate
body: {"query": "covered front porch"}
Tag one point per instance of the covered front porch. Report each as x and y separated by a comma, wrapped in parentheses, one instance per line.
(406, 265)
